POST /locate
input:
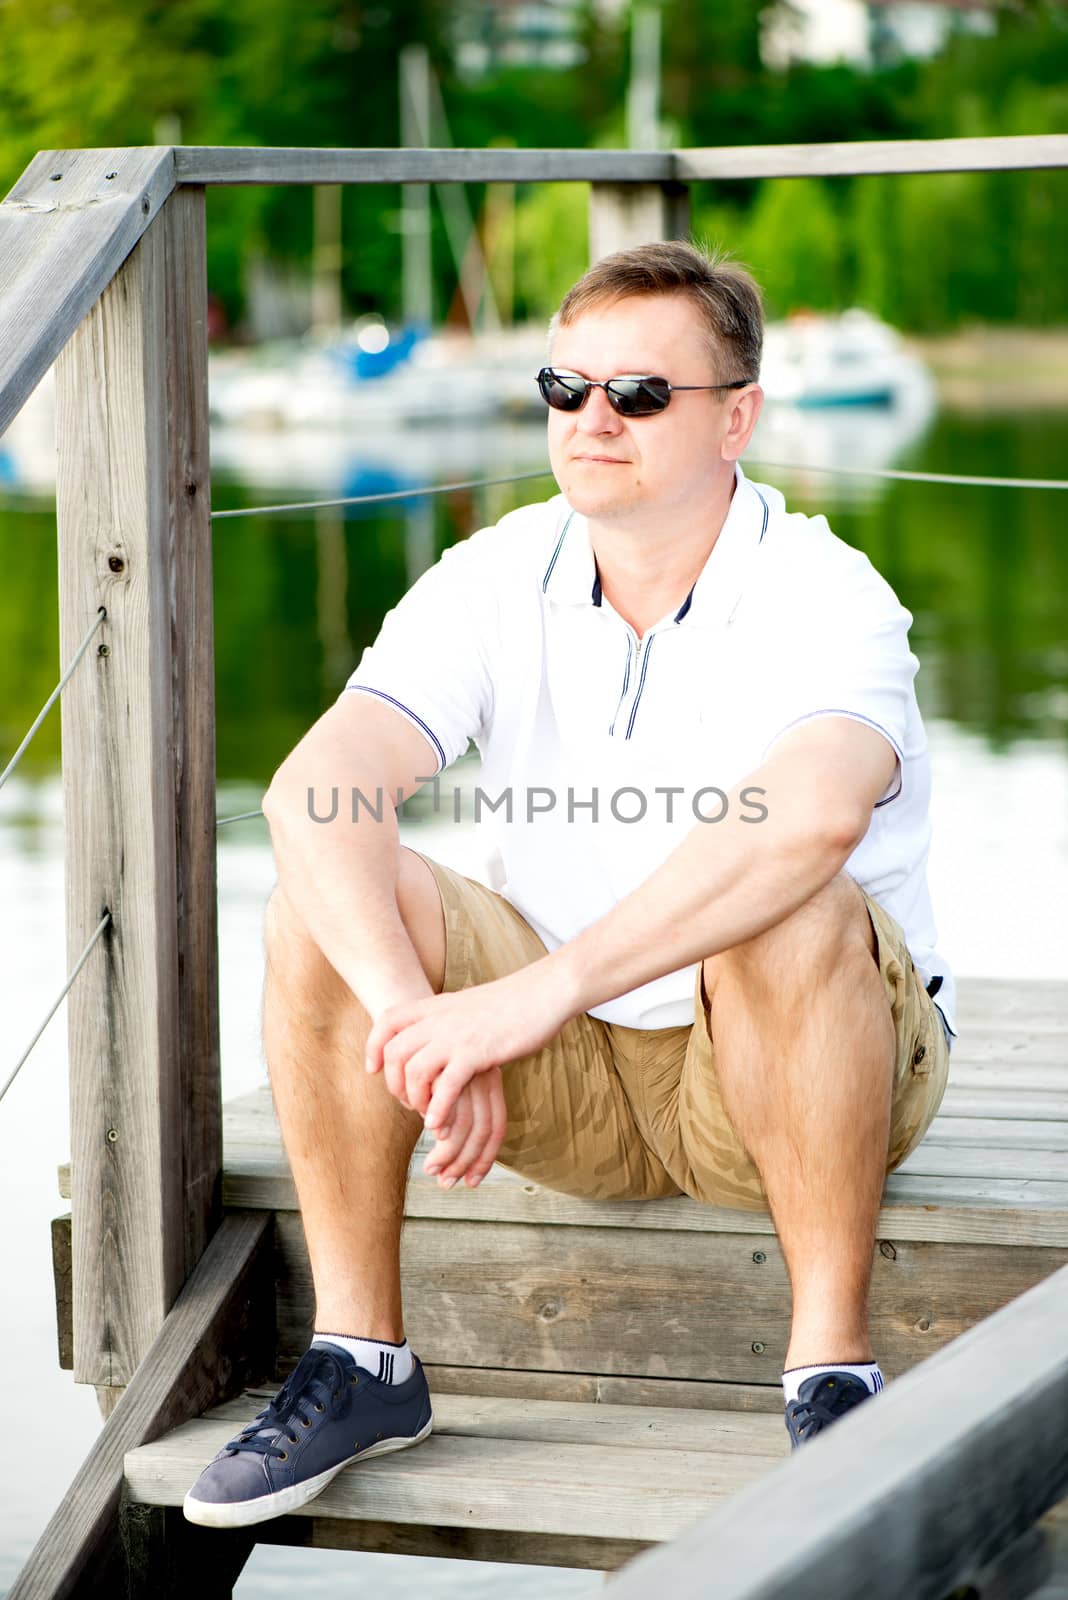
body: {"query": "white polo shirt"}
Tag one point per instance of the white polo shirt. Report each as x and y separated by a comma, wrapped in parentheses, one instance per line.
(600, 752)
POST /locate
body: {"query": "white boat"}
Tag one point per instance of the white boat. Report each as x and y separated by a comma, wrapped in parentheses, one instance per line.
(851, 359)
(445, 381)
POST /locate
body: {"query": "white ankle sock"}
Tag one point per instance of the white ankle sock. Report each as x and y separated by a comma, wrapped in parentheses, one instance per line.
(867, 1371)
(391, 1363)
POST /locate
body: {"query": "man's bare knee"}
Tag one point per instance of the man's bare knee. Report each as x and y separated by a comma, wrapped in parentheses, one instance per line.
(811, 941)
(295, 961)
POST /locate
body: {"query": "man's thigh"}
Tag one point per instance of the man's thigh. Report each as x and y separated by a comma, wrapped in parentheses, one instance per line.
(570, 1123)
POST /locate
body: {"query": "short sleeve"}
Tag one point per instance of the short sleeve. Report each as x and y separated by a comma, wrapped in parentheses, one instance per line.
(850, 657)
(430, 659)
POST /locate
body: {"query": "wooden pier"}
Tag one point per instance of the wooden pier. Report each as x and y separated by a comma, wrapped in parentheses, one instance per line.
(182, 1279)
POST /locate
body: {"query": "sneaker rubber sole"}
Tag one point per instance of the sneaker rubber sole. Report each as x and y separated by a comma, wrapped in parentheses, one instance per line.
(243, 1513)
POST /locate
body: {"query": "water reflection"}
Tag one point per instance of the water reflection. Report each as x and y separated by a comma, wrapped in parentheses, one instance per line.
(984, 571)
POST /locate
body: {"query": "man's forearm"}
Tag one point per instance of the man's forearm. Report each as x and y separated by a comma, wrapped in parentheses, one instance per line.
(725, 883)
(341, 879)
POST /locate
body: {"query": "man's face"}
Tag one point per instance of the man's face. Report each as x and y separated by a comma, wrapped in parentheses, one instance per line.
(620, 468)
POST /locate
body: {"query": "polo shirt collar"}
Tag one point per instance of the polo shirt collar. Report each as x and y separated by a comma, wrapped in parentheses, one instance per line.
(571, 576)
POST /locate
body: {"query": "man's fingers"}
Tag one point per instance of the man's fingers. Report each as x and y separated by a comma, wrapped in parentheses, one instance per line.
(446, 1149)
(390, 1023)
(477, 1095)
(447, 1086)
(498, 1127)
(396, 1060)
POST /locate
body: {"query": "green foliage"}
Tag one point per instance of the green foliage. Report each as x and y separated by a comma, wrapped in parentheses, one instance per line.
(926, 252)
(551, 248)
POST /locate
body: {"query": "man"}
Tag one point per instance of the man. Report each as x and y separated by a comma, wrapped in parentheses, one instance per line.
(711, 966)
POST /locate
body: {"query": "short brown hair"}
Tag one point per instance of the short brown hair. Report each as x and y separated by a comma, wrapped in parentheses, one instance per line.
(725, 293)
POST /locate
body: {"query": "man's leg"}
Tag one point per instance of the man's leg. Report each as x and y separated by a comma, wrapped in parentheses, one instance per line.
(349, 1142)
(805, 1049)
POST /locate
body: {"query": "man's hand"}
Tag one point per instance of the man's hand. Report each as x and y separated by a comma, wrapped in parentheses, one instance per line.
(429, 1049)
(479, 1121)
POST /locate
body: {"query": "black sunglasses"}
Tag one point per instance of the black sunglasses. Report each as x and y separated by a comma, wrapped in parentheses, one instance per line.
(632, 394)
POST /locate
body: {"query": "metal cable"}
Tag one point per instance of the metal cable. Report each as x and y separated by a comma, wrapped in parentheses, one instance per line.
(377, 499)
(242, 816)
(52, 698)
(917, 477)
(82, 959)
(962, 479)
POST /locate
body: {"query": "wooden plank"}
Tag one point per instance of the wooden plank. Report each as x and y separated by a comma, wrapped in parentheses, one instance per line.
(65, 229)
(1015, 153)
(61, 1275)
(620, 1427)
(638, 1303)
(508, 1483)
(604, 1389)
(994, 1133)
(458, 1544)
(1030, 1001)
(133, 512)
(217, 1336)
(994, 1212)
(967, 1161)
(236, 164)
(1003, 1103)
(232, 164)
(625, 214)
(167, 1558)
(955, 1461)
(1027, 1054)
(1017, 1572)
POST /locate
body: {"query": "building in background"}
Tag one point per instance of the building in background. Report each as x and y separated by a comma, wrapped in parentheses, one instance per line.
(517, 33)
(869, 33)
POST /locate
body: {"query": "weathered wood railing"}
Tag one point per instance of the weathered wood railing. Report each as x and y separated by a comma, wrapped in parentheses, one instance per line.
(102, 270)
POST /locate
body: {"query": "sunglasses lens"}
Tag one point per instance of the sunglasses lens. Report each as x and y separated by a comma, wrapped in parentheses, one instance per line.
(639, 397)
(564, 391)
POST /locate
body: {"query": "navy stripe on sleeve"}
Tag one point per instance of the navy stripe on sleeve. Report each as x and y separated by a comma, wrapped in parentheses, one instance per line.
(431, 735)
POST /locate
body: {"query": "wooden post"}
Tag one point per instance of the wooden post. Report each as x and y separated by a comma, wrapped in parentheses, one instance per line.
(133, 511)
(626, 214)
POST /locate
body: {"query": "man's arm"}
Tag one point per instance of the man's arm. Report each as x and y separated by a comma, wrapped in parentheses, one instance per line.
(729, 881)
(725, 883)
(341, 876)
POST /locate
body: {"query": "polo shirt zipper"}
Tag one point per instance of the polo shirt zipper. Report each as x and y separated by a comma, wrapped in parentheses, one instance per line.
(639, 660)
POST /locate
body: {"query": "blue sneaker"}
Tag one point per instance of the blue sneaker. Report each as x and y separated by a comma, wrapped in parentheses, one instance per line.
(328, 1412)
(821, 1400)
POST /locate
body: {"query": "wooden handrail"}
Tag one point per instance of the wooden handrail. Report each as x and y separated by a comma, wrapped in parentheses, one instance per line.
(226, 164)
(871, 157)
(65, 230)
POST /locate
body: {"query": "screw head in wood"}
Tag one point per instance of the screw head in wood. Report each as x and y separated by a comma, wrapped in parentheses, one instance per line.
(758, 1348)
(103, 650)
(887, 1249)
(112, 1135)
(759, 1257)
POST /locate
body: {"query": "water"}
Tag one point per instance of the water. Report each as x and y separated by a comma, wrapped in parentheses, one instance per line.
(985, 574)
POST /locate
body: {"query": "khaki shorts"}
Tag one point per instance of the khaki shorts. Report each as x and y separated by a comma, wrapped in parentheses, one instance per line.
(615, 1113)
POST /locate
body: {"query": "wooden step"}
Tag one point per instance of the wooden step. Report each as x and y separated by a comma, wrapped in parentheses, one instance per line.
(632, 1475)
(514, 1289)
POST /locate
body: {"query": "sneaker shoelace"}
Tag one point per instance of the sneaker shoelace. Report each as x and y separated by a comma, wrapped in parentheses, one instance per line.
(317, 1386)
(829, 1400)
